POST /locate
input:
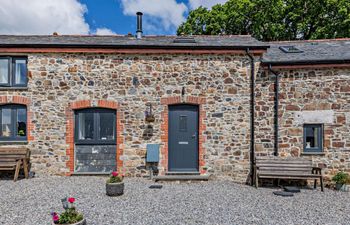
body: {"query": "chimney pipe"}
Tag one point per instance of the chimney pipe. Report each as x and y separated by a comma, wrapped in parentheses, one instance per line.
(139, 25)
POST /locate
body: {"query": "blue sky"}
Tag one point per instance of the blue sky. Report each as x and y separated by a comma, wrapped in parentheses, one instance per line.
(101, 17)
(112, 14)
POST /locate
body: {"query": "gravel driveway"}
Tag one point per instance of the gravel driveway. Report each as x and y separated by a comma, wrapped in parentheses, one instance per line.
(29, 202)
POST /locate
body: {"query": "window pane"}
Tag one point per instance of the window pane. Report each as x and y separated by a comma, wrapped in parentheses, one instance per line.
(183, 123)
(20, 71)
(4, 71)
(21, 122)
(107, 126)
(312, 137)
(6, 122)
(86, 126)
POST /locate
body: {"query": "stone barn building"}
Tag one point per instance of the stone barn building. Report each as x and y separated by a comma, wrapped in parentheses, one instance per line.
(92, 104)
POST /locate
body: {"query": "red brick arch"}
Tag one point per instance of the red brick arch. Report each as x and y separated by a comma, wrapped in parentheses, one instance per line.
(166, 101)
(21, 100)
(83, 104)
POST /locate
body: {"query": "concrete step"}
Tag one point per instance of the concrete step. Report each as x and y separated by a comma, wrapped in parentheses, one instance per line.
(181, 173)
(181, 177)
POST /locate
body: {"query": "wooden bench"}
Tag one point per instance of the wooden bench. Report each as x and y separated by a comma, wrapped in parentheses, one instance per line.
(14, 159)
(288, 168)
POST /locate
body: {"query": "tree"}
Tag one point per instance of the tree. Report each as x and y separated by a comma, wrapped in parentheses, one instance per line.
(270, 20)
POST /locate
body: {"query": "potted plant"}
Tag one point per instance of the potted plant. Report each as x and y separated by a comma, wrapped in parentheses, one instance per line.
(341, 180)
(70, 216)
(115, 184)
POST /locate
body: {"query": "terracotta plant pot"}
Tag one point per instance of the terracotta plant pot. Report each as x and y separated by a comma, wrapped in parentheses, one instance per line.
(83, 222)
(114, 189)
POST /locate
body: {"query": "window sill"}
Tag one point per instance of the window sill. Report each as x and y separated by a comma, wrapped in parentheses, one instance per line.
(312, 153)
(13, 142)
(13, 88)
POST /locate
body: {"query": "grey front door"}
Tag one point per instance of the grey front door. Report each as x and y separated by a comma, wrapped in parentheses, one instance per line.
(183, 138)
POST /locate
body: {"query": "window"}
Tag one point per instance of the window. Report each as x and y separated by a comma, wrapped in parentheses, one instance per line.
(183, 123)
(13, 72)
(184, 39)
(95, 126)
(13, 120)
(290, 49)
(313, 138)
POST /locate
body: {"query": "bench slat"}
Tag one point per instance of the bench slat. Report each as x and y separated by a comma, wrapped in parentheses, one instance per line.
(291, 177)
(284, 169)
(303, 174)
(284, 165)
(284, 160)
(13, 156)
(8, 159)
(7, 164)
(7, 168)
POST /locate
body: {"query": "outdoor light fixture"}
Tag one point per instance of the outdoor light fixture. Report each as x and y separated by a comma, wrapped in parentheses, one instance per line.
(149, 117)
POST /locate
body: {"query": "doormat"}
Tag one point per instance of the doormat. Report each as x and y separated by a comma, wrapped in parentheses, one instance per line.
(283, 193)
(156, 186)
(291, 189)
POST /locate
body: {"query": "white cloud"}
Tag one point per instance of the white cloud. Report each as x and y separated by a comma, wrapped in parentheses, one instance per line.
(42, 17)
(205, 3)
(104, 31)
(163, 14)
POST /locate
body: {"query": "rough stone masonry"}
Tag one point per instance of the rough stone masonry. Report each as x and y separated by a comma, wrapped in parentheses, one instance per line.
(58, 80)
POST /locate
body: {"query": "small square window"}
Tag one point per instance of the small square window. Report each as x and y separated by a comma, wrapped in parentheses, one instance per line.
(13, 72)
(313, 138)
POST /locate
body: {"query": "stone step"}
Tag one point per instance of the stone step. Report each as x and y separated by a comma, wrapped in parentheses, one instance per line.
(181, 178)
(181, 173)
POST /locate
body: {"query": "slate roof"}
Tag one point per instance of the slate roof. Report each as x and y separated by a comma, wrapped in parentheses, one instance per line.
(118, 41)
(314, 52)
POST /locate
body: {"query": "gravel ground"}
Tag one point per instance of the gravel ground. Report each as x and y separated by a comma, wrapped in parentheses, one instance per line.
(30, 202)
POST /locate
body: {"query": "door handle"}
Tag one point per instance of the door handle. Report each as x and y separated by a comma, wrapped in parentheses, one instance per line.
(194, 136)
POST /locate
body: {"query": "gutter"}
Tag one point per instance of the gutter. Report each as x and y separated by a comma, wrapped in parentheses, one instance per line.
(133, 46)
(306, 62)
(276, 109)
(252, 114)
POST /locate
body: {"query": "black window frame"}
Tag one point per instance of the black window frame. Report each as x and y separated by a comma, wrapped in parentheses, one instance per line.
(14, 108)
(320, 138)
(96, 139)
(12, 71)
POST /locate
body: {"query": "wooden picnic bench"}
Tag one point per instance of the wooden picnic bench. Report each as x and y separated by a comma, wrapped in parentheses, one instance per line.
(14, 159)
(288, 168)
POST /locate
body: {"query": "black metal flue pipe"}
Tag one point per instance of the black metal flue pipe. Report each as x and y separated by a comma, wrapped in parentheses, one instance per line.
(139, 25)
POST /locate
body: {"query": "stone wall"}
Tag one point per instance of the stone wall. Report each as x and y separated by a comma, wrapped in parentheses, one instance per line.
(306, 96)
(58, 80)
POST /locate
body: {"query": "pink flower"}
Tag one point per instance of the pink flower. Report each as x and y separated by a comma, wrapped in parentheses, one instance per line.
(71, 200)
(115, 174)
(123, 175)
(55, 218)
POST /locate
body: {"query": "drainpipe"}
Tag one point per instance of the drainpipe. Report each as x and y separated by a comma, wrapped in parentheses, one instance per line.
(252, 115)
(277, 87)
